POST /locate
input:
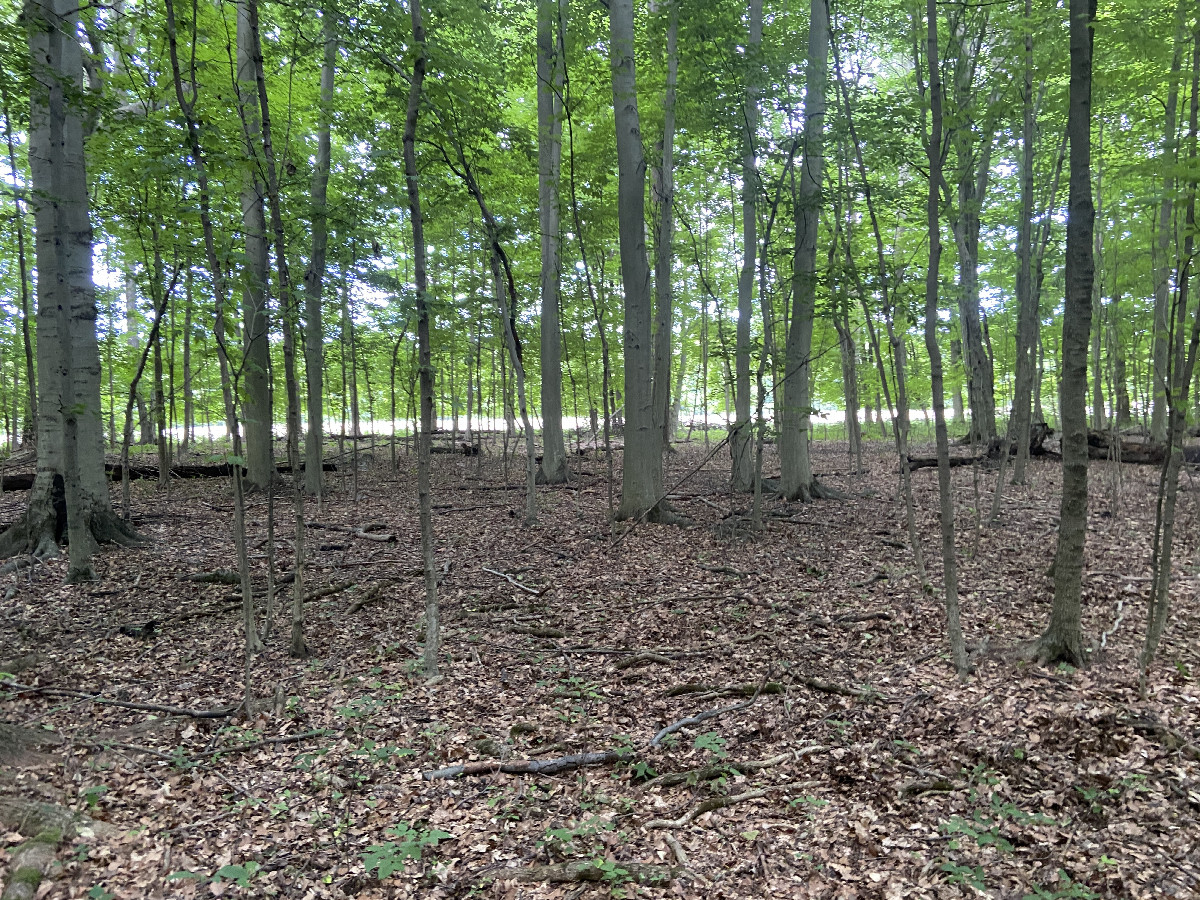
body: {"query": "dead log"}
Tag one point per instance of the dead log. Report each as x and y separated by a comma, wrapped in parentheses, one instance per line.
(930, 462)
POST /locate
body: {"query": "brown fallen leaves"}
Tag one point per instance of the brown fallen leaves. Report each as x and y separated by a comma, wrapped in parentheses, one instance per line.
(875, 773)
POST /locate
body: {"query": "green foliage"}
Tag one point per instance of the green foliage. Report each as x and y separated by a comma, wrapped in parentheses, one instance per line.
(714, 743)
(409, 845)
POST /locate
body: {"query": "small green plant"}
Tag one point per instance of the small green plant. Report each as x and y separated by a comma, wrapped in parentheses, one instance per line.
(409, 844)
(964, 875)
(92, 794)
(713, 743)
(1065, 889)
(614, 876)
(99, 893)
(239, 874)
(563, 840)
(978, 831)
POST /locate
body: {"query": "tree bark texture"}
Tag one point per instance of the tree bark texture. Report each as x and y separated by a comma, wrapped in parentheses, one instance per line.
(663, 190)
(256, 360)
(314, 276)
(1063, 640)
(641, 475)
(550, 75)
(796, 476)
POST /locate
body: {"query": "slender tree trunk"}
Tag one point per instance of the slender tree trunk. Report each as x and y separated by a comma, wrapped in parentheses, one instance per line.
(256, 362)
(424, 497)
(1182, 367)
(663, 191)
(742, 478)
(314, 276)
(221, 298)
(958, 649)
(189, 403)
(549, 98)
(1099, 419)
(1063, 639)
(1165, 235)
(1020, 423)
(29, 436)
(641, 476)
(796, 478)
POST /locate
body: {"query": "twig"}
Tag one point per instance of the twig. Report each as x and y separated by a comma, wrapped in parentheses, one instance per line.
(704, 716)
(515, 583)
(265, 742)
(222, 713)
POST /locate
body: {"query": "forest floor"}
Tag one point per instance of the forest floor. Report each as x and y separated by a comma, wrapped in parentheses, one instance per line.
(846, 759)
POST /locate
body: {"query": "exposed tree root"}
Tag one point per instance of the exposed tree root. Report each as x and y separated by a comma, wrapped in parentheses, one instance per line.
(642, 659)
(827, 688)
(649, 874)
(579, 760)
(715, 803)
(707, 773)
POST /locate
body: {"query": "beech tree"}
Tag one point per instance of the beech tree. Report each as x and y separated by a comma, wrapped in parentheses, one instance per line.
(70, 434)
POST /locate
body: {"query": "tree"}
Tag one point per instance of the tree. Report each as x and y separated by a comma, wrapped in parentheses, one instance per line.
(549, 103)
(420, 276)
(796, 479)
(641, 476)
(260, 464)
(742, 479)
(314, 276)
(70, 465)
(1063, 639)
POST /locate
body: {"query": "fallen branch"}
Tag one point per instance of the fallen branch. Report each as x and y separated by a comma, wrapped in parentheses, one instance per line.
(579, 760)
(707, 773)
(265, 742)
(735, 690)
(641, 659)
(703, 717)
(222, 713)
(715, 803)
(528, 766)
(826, 687)
(515, 583)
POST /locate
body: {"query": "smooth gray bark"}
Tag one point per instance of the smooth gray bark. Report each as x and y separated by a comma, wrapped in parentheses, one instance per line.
(796, 478)
(663, 190)
(550, 75)
(314, 276)
(256, 347)
(1020, 423)
(641, 475)
(743, 462)
(1063, 639)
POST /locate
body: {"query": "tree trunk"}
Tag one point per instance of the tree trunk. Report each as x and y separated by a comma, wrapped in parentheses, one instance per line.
(663, 191)
(641, 476)
(257, 362)
(1165, 238)
(1020, 422)
(189, 403)
(425, 501)
(220, 301)
(958, 650)
(70, 436)
(550, 75)
(29, 435)
(796, 478)
(314, 276)
(743, 469)
(1063, 639)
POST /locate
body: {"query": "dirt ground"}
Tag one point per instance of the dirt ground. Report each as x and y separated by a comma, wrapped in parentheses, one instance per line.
(844, 759)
